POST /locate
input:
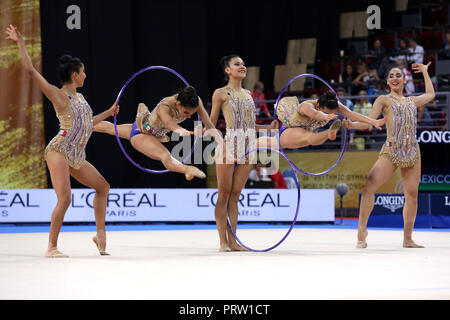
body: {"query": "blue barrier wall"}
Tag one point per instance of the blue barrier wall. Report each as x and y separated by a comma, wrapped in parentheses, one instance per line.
(433, 210)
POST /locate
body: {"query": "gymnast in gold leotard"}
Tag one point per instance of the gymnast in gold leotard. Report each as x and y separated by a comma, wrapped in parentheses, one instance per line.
(238, 109)
(148, 133)
(299, 120)
(401, 150)
(65, 154)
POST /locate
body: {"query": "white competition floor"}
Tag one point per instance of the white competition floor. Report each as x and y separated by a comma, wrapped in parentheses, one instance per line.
(313, 263)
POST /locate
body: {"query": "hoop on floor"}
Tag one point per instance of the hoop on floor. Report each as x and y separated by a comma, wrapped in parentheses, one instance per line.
(115, 117)
(278, 137)
(296, 210)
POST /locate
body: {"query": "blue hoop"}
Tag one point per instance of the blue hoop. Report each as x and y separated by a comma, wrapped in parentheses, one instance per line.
(295, 216)
(115, 117)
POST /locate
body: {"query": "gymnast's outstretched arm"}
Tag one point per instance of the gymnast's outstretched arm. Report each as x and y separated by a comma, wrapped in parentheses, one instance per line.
(53, 93)
(166, 118)
(308, 110)
(371, 120)
(209, 126)
(374, 114)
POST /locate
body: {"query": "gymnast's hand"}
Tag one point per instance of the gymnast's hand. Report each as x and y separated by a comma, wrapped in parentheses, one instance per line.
(379, 123)
(274, 124)
(199, 131)
(13, 33)
(114, 109)
(420, 68)
(183, 132)
(329, 117)
(347, 124)
(216, 134)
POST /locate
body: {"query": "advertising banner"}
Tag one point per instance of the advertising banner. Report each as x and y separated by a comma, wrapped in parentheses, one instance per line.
(433, 210)
(435, 157)
(352, 170)
(168, 205)
(440, 210)
(388, 211)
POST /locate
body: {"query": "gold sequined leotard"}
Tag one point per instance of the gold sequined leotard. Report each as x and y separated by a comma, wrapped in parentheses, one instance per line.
(240, 119)
(150, 122)
(401, 146)
(288, 114)
(76, 124)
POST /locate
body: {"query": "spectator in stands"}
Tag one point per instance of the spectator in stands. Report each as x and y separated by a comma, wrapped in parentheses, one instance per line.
(409, 87)
(259, 173)
(444, 53)
(401, 52)
(432, 115)
(424, 118)
(447, 40)
(341, 93)
(365, 76)
(277, 178)
(289, 173)
(416, 50)
(438, 114)
(349, 74)
(378, 52)
(262, 111)
(362, 106)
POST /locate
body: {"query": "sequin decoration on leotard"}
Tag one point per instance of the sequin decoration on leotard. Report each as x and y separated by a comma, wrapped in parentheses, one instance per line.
(401, 145)
(240, 118)
(150, 122)
(76, 124)
(287, 113)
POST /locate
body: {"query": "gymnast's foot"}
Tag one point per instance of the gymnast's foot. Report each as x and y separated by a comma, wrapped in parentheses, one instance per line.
(411, 244)
(53, 252)
(194, 172)
(236, 247)
(100, 242)
(142, 116)
(332, 131)
(362, 235)
(224, 248)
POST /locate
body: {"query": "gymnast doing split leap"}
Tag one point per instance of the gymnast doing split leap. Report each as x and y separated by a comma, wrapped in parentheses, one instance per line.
(299, 120)
(148, 133)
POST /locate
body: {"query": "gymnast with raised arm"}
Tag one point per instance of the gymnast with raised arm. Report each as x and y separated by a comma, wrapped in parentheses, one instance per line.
(65, 154)
(401, 150)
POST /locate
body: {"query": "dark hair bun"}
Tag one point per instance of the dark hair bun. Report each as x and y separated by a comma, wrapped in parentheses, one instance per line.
(188, 97)
(225, 62)
(67, 66)
(65, 59)
(329, 100)
(330, 95)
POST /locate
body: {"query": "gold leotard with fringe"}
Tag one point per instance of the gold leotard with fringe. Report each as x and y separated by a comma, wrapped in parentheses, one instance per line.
(76, 125)
(240, 118)
(288, 114)
(401, 147)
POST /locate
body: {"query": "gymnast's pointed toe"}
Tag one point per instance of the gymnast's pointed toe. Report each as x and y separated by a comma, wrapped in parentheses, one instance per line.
(332, 132)
(142, 116)
(195, 172)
